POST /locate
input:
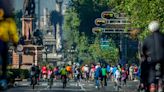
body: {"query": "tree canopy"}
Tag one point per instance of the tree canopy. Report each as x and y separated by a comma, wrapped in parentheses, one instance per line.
(141, 13)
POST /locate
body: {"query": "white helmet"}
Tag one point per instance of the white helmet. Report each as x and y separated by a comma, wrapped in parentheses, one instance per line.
(153, 26)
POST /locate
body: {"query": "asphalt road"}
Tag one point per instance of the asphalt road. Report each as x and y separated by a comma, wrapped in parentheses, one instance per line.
(72, 87)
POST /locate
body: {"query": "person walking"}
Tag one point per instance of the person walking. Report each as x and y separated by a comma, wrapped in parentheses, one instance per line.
(104, 76)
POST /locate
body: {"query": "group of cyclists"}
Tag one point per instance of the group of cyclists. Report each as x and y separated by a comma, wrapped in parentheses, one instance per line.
(99, 73)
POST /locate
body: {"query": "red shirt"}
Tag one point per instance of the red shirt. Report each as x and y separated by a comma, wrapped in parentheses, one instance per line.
(44, 69)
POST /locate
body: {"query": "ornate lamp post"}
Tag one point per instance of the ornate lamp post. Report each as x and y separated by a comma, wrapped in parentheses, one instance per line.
(46, 52)
(71, 51)
(19, 51)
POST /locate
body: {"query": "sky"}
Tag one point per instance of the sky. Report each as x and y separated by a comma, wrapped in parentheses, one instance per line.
(50, 4)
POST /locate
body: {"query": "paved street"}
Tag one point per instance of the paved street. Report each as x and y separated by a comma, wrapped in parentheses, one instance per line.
(72, 87)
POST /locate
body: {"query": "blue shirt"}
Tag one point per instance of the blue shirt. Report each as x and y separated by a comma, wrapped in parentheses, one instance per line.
(97, 72)
(114, 70)
(108, 68)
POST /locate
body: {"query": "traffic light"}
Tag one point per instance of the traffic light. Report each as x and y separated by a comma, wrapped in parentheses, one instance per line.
(100, 22)
(96, 30)
(107, 15)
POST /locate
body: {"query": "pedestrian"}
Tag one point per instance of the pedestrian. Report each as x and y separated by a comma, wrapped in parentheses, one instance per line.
(117, 78)
(131, 71)
(33, 74)
(104, 76)
(124, 76)
(97, 75)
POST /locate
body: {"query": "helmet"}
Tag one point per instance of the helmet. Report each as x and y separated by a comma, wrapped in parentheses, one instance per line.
(153, 26)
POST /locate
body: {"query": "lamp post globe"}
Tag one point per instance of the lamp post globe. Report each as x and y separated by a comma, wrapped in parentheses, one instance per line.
(59, 1)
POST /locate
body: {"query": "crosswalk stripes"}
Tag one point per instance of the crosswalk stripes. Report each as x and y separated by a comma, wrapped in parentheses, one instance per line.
(46, 84)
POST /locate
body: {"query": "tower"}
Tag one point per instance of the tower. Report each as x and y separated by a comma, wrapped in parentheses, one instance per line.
(58, 34)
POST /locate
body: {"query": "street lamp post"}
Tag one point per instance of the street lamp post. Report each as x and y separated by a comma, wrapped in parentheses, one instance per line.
(46, 52)
(19, 51)
(71, 51)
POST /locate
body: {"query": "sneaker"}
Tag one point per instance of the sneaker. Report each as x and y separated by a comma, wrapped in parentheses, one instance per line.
(135, 80)
(96, 86)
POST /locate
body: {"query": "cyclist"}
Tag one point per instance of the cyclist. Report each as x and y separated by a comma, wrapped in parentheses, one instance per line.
(63, 73)
(50, 78)
(117, 78)
(37, 74)
(8, 32)
(56, 72)
(77, 75)
(86, 72)
(44, 72)
(153, 52)
(69, 70)
(33, 74)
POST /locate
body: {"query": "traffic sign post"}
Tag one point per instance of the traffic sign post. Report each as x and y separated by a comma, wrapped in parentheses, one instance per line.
(100, 22)
(107, 15)
(97, 30)
(112, 23)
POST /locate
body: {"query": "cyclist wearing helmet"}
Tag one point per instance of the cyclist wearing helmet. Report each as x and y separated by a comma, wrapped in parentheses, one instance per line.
(153, 53)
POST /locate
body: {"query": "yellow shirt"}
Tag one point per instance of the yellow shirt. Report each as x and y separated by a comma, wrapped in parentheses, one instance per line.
(8, 31)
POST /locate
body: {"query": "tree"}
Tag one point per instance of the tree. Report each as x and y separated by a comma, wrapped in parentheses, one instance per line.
(70, 32)
(78, 22)
(141, 12)
(88, 11)
(83, 48)
(71, 25)
(110, 54)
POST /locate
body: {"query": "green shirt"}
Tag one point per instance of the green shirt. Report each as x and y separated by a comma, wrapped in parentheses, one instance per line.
(103, 71)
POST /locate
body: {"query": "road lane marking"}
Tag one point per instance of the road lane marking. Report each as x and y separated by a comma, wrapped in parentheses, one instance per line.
(82, 88)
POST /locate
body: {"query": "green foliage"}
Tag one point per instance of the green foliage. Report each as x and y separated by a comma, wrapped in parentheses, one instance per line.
(71, 25)
(78, 22)
(22, 73)
(88, 11)
(110, 55)
(141, 12)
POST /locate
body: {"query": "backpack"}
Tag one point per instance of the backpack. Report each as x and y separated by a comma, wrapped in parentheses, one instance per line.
(33, 69)
(100, 72)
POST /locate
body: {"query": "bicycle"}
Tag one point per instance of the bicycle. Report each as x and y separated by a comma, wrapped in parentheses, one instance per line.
(33, 82)
(64, 80)
(50, 82)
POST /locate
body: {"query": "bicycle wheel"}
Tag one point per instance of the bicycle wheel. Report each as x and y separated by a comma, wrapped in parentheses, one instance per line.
(33, 85)
(64, 82)
(51, 83)
(33, 82)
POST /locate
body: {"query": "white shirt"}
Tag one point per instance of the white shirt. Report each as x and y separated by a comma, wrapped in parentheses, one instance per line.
(117, 74)
(86, 69)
